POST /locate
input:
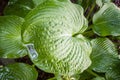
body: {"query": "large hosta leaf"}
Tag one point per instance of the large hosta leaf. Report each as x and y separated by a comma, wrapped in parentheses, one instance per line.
(19, 7)
(18, 71)
(11, 45)
(52, 30)
(104, 54)
(107, 20)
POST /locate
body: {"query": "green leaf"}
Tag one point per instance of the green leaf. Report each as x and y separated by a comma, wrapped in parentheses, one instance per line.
(103, 54)
(53, 35)
(86, 76)
(18, 71)
(37, 2)
(19, 7)
(107, 20)
(99, 78)
(114, 72)
(105, 58)
(11, 45)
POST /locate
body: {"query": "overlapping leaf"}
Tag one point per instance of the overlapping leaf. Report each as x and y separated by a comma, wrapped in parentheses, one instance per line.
(103, 54)
(52, 30)
(105, 58)
(114, 72)
(19, 7)
(18, 71)
(11, 45)
(107, 20)
(86, 76)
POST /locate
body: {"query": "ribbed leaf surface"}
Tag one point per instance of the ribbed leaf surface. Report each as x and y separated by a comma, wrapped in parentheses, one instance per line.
(114, 72)
(52, 28)
(103, 54)
(10, 37)
(107, 20)
(18, 71)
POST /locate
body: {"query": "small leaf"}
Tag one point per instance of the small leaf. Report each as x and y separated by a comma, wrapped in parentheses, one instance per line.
(54, 31)
(107, 20)
(103, 54)
(19, 7)
(11, 45)
(18, 71)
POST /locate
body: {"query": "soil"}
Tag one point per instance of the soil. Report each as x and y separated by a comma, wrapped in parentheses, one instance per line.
(3, 3)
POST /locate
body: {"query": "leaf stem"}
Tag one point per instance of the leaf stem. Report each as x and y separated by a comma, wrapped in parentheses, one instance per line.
(93, 73)
(91, 10)
(89, 33)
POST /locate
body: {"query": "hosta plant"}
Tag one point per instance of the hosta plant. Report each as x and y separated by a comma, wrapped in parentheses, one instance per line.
(56, 36)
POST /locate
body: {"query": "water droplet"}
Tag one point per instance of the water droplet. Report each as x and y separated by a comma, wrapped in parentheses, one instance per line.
(51, 48)
(52, 60)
